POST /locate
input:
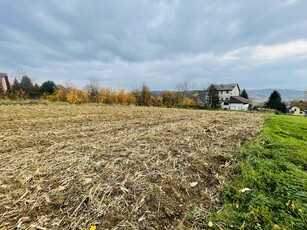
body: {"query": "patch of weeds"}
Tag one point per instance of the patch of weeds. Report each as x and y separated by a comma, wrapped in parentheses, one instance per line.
(192, 212)
(153, 191)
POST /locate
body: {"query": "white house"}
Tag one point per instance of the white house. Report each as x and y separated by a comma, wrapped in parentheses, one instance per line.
(298, 108)
(4, 82)
(229, 95)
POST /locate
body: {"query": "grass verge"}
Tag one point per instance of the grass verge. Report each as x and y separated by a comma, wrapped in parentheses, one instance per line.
(274, 168)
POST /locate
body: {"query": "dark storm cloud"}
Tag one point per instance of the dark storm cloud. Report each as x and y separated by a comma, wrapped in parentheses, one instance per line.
(255, 43)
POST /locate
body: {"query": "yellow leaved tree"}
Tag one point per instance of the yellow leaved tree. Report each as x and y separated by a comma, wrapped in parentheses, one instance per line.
(76, 96)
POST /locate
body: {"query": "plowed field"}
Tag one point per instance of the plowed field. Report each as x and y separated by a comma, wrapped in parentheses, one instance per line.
(73, 167)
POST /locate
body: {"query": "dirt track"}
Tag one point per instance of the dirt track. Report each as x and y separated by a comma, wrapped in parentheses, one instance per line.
(72, 167)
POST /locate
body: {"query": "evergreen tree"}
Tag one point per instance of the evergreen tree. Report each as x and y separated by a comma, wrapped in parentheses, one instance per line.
(213, 100)
(35, 92)
(16, 85)
(48, 87)
(274, 102)
(30, 90)
(26, 84)
(244, 94)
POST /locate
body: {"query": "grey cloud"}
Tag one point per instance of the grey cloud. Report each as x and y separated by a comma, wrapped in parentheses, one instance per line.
(159, 42)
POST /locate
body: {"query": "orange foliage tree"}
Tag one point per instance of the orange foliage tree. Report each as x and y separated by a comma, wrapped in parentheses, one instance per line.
(122, 97)
(107, 96)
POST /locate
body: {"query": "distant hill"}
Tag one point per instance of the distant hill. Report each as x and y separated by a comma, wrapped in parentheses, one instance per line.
(201, 93)
(257, 95)
(261, 95)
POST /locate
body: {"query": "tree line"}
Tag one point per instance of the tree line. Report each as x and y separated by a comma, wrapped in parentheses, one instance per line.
(93, 93)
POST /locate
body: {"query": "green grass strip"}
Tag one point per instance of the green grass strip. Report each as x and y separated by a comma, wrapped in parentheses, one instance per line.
(274, 168)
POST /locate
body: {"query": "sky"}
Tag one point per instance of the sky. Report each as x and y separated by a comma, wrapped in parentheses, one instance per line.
(257, 44)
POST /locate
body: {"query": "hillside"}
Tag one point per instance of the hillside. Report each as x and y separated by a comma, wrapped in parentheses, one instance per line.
(257, 95)
(261, 95)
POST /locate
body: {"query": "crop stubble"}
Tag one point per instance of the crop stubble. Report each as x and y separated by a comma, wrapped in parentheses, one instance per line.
(72, 167)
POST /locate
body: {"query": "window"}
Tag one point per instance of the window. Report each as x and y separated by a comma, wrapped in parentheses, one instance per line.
(226, 98)
(226, 103)
(227, 91)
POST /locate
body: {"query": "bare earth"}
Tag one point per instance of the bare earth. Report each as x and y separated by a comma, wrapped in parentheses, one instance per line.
(73, 167)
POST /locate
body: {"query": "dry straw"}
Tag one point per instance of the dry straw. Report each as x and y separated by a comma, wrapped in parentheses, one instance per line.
(73, 167)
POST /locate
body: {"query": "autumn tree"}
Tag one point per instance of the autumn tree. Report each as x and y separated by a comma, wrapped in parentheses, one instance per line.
(195, 98)
(168, 98)
(138, 96)
(244, 94)
(122, 97)
(213, 100)
(61, 93)
(143, 97)
(182, 88)
(107, 96)
(76, 96)
(146, 98)
(157, 101)
(131, 100)
(93, 89)
(187, 102)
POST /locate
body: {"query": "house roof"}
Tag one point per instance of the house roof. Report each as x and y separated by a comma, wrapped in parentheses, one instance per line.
(225, 87)
(301, 104)
(238, 99)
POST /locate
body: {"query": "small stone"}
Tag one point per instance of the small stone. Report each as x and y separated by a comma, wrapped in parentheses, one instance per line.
(193, 184)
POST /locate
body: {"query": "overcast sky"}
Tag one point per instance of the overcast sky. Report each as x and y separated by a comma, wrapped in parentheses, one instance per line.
(256, 43)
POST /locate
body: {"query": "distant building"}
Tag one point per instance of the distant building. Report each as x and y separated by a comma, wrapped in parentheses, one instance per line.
(4, 82)
(229, 95)
(298, 108)
(238, 103)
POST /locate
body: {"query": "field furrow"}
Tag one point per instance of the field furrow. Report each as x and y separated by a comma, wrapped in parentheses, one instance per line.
(71, 167)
